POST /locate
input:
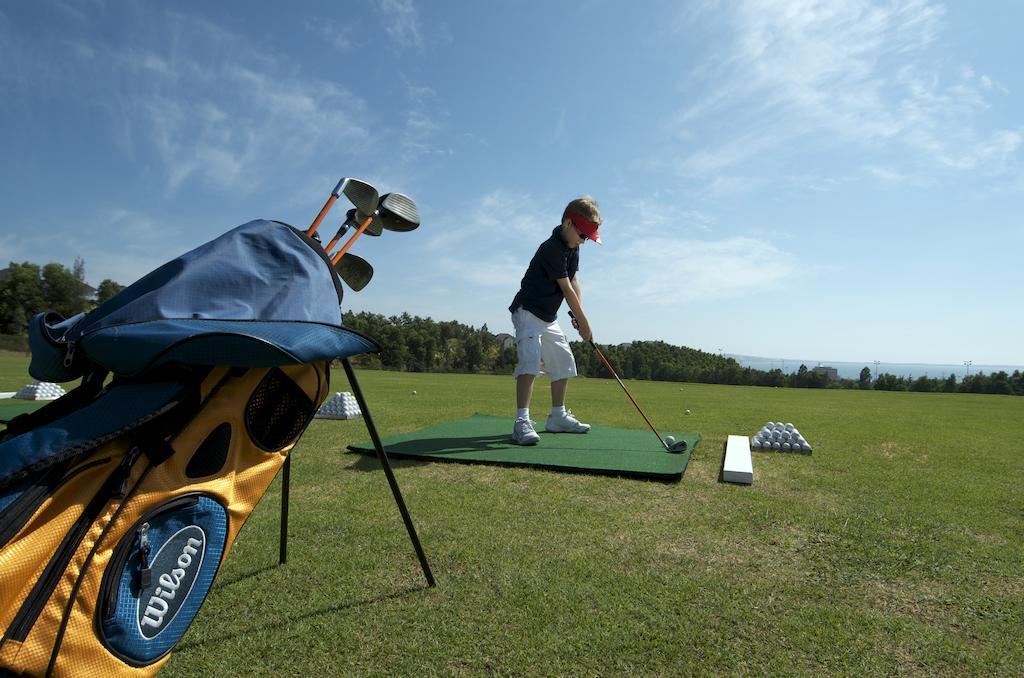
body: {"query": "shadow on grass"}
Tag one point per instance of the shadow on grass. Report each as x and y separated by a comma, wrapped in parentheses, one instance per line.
(438, 447)
(451, 445)
(330, 609)
(225, 583)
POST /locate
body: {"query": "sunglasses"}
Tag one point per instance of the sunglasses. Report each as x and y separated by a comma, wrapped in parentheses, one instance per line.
(580, 235)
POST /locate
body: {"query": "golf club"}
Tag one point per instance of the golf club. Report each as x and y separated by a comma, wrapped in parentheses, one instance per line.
(355, 271)
(352, 219)
(675, 447)
(396, 212)
(361, 194)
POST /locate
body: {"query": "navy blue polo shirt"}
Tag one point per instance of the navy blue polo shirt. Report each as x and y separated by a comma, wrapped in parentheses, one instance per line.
(539, 293)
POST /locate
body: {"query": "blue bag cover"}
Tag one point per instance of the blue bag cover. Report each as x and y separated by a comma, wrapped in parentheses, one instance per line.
(115, 411)
(261, 295)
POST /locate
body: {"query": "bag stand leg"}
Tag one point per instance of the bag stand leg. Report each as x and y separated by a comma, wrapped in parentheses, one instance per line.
(285, 484)
(382, 455)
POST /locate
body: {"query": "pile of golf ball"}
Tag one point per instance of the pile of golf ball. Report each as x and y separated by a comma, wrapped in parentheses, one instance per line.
(40, 390)
(778, 436)
(342, 406)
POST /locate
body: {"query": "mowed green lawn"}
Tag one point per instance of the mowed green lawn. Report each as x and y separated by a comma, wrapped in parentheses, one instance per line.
(897, 547)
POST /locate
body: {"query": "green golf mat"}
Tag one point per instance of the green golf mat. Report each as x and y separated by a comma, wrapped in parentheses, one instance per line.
(483, 439)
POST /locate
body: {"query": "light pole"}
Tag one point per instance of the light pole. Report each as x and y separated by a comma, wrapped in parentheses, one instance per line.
(967, 364)
(876, 370)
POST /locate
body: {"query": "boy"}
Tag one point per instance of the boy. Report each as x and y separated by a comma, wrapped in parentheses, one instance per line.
(550, 278)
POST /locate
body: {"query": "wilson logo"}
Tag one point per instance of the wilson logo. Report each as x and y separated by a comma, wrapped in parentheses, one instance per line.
(175, 568)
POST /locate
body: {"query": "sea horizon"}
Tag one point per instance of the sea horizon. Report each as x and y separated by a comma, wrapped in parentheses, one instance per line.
(851, 370)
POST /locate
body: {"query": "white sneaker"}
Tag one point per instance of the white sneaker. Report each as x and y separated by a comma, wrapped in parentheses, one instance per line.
(565, 423)
(523, 433)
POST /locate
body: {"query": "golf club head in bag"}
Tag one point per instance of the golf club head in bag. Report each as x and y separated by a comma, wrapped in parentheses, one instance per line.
(355, 271)
(362, 195)
(398, 212)
(354, 217)
(352, 220)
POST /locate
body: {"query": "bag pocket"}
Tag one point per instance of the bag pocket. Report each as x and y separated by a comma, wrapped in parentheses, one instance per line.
(159, 575)
(53, 357)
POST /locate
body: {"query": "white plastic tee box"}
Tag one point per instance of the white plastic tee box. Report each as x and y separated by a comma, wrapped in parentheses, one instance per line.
(738, 466)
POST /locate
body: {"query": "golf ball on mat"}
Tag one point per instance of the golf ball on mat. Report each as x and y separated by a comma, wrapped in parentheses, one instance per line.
(670, 441)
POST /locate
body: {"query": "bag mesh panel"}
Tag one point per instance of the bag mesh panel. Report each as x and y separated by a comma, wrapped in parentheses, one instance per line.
(277, 412)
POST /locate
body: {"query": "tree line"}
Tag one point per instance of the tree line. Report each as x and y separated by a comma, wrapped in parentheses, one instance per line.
(27, 289)
(417, 344)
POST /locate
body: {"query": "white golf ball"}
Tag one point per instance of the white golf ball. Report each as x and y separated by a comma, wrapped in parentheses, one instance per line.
(756, 444)
(687, 412)
(786, 446)
(414, 392)
(789, 427)
(776, 446)
(670, 441)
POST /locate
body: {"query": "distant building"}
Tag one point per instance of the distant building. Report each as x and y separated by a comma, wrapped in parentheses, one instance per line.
(505, 340)
(830, 373)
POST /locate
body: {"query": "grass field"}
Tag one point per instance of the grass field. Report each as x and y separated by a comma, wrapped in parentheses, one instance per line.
(896, 548)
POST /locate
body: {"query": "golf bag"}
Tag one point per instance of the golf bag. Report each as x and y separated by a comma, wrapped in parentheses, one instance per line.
(120, 500)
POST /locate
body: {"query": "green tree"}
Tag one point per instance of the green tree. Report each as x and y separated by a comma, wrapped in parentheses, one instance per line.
(923, 385)
(1017, 382)
(107, 289)
(999, 382)
(62, 291)
(21, 297)
(864, 381)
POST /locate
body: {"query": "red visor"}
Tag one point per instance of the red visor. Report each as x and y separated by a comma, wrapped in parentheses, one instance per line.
(587, 228)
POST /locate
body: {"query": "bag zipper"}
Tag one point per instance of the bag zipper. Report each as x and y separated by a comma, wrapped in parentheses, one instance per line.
(111, 586)
(114, 487)
(24, 507)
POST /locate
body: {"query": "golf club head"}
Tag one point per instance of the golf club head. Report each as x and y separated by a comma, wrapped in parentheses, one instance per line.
(356, 217)
(398, 212)
(355, 271)
(675, 448)
(361, 194)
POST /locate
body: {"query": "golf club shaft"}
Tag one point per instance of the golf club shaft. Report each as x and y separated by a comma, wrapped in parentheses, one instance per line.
(323, 213)
(631, 399)
(362, 227)
(337, 237)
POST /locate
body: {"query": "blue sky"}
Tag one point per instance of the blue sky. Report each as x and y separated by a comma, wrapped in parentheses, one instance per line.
(841, 180)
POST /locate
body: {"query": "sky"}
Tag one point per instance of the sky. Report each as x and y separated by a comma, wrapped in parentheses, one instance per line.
(835, 179)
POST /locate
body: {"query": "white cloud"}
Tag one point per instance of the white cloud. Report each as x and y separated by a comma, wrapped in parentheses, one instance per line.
(423, 124)
(342, 36)
(799, 74)
(215, 108)
(666, 271)
(402, 22)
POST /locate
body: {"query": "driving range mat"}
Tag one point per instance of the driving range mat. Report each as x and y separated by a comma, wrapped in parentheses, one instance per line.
(483, 439)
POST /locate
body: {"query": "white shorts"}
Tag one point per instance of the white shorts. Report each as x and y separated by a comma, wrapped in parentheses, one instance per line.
(538, 340)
